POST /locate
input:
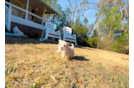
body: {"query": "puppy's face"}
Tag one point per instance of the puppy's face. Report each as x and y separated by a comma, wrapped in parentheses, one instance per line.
(63, 45)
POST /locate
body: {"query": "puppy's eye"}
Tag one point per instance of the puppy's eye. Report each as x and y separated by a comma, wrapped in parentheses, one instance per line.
(64, 45)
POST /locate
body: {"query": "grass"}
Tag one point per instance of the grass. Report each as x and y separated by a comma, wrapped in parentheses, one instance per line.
(31, 65)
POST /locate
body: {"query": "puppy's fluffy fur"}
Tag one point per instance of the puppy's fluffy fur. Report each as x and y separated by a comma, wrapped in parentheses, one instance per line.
(65, 49)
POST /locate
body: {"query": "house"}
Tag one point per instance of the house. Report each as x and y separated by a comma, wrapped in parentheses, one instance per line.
(27, 15)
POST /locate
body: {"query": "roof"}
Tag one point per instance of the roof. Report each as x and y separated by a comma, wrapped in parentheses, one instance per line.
(48, 8)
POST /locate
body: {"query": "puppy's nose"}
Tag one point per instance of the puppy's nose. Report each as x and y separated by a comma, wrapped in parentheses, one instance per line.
(61, 48)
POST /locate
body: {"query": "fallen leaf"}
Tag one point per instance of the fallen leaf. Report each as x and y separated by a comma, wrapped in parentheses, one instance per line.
(68, 81)
(80, 61)
(116, 66)
(124, 58)
(66, 66)
(24, 68)
(51, 52)
(33, 66)
(69, 67)
(87, 64)
(78, 80)
(54, 78)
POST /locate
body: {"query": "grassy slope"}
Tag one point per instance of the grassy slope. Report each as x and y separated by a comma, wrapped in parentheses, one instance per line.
(32, 65)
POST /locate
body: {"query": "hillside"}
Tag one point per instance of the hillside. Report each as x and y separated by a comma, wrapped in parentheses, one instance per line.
(30, 63)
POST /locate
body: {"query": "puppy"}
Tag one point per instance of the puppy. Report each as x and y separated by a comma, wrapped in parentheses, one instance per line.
(65, 49)
(17, 31)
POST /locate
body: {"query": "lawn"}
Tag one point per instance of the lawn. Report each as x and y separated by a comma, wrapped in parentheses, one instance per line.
(32, 64)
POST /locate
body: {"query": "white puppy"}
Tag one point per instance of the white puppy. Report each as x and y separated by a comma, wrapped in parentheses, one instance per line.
(17, 31)
(65, 49)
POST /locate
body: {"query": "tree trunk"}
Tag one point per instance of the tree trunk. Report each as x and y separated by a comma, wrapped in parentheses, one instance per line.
(125, 16)
(77, 13)
(72, 10)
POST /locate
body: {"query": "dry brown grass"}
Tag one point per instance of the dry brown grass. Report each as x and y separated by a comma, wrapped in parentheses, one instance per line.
(32, 65)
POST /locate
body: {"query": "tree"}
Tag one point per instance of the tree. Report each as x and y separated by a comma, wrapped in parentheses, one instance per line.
(55, 6)
(81, 32)
(51, 3)
(111, 27)
(93, 40)
(77, 8)
(61, 21)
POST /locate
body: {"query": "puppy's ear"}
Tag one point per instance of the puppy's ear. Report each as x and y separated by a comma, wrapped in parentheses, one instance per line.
(59, 40)
(68, 44)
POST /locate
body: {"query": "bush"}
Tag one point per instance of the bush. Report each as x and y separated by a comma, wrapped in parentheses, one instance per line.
(93, 41)
(117, 47)
(106, 43)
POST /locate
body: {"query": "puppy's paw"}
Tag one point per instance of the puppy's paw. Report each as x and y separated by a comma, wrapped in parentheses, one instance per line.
(58, 51)
(62, 56)
(69, 58)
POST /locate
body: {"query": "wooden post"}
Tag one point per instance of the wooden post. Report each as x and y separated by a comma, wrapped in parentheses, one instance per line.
(43, 16)
(27, 10)
(49, 18)
(54, 17)
(9, 18)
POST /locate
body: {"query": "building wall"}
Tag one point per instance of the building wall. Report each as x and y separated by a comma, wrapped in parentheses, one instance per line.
(18, 13)
(30, 31)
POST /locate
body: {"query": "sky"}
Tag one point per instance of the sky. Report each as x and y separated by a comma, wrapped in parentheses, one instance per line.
(91, 12)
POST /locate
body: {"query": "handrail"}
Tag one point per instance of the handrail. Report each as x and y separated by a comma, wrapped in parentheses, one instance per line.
(36, 16)
(6, 7)
(24, 10)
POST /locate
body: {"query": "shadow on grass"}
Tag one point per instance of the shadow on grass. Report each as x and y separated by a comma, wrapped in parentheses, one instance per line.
(22, 40)
(80, 58)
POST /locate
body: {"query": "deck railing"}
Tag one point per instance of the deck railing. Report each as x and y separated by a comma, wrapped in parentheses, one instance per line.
(6, 15)
(26, 11)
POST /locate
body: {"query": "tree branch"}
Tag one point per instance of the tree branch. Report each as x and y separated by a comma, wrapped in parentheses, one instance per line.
(70, 3)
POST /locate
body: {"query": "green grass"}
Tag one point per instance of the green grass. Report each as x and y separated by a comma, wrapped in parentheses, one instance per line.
(32, 65)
